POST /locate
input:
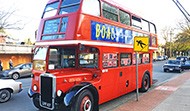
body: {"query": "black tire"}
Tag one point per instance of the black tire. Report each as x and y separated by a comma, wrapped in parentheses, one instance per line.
(145, 83)
(83, 102)
(36, 102)
(15, 76)
(5, 95)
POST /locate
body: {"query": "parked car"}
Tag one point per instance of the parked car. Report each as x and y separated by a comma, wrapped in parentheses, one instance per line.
(165, 57)
(8, 87)
(18, 71)
(186, 64)
(160, 58)
(182, 58)
(173, 65)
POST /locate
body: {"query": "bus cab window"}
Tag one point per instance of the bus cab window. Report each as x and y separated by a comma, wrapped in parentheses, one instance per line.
(61, 58)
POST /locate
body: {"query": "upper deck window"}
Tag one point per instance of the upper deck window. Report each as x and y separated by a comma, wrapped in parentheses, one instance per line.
(124, 17)
(50, 10)
(52, 27)
(145, 25)
(88, 8)
(110, 12)
(136, 22)
(152, 28)
(69, 6)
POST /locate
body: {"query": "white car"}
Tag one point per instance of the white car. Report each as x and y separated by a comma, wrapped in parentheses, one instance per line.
(8, 87)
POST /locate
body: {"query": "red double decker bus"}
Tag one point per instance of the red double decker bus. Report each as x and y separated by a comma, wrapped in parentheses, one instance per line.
(84, 55)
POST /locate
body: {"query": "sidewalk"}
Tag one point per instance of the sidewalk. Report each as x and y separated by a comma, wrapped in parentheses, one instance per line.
(171, 96)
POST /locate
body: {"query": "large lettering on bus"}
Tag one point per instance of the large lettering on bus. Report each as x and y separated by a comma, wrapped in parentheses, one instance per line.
(109, 33)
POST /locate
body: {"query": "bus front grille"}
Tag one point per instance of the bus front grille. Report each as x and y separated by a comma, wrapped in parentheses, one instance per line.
(47, 91)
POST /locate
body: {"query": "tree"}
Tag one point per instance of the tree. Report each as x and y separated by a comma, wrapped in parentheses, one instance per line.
(166, 34)
(182, 42)
(7, 23)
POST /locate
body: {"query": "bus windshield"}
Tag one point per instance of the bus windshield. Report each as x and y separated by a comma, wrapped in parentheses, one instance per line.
(40, 53)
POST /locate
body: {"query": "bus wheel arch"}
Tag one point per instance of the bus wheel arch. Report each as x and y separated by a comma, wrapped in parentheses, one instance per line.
(146, 82)
(84, 101)
(74, 93)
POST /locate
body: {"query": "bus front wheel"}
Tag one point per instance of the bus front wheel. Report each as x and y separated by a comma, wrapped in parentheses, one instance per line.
(83, 102)
(145, 83)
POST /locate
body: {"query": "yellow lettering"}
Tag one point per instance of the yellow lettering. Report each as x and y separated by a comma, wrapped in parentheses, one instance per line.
(113, 33)
(103, 31)
(97, 30)
(108, 33)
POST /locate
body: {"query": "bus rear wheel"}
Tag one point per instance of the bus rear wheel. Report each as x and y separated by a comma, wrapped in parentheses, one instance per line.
(145, 83)
(83, 102)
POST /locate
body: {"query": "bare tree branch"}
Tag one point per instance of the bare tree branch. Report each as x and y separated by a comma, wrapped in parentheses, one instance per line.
(7, 23)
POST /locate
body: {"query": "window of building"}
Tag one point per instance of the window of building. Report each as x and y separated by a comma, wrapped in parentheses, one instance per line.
(88, 8)
(124, 17)
(110, 12)
(125, 59)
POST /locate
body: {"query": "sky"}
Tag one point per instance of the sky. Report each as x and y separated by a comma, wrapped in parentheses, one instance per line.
(161, 12)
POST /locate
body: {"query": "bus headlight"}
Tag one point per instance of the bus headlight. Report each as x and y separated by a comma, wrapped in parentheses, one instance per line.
(59, 92)
(35, 88)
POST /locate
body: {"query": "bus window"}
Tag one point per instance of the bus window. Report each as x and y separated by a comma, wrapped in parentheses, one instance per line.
(50, 10)
(152, 28)
(64, 23)
(124, 17)
(51, 26)
(145, 25)
(110, 12)
(153, 41)
(88, 58)
(125, 59)
(110, 60)
(61, 58)
(69, 6)
(145, 58)
(136, 22)
(88, 8)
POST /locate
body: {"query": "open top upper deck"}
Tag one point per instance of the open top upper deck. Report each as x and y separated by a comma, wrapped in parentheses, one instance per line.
(104, 21)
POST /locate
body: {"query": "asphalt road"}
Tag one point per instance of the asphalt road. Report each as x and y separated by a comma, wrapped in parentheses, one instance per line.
(21, 101)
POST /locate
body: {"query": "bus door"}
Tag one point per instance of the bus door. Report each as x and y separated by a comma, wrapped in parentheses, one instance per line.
(109, 78)
(125, 74)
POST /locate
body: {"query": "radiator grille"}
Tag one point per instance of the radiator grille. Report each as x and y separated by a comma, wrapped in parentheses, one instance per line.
(47, 92)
